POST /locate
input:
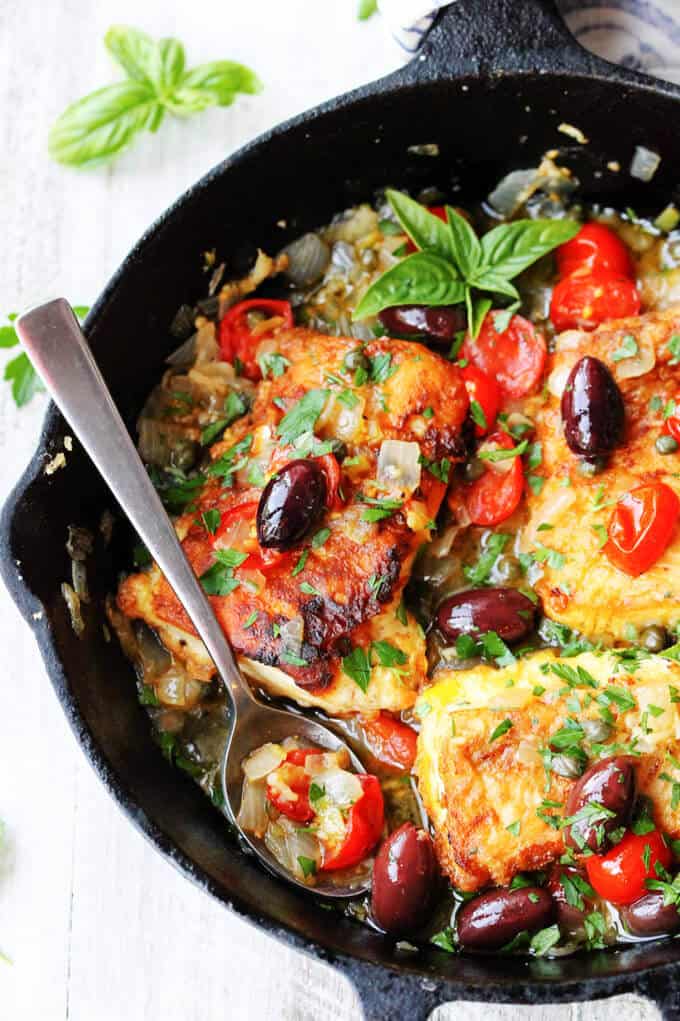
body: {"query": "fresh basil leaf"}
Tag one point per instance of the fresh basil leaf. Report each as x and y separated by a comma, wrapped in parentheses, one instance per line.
(512, 247)
(366, 9)
(170, 64)
(490, 280)
(222, 79)
(480, 309)
(358, 666)
(425, 229)
(8, 336)
(467, 251)
(420, 279)
(25, 382)
(135, 51)
(102, 124)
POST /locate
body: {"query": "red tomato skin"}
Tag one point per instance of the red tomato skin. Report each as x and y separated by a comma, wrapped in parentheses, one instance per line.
(641, 527)
(300, 810)
(485, 390)
(595, 247)
(619, 875)
(392, 742)
(364, 827)
(298, 756)
(515, 358)
(331, 469)
(583, 302)
(496, 494)
(672, 424)
(440, 213)
(258, 559)
(237, 340)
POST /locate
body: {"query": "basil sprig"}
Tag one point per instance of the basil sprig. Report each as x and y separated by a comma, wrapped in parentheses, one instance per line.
(99, 126)
(453, 265)
(19, 372)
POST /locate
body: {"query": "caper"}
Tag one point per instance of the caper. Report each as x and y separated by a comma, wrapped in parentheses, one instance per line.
(354, 360)
(596, 730)
(566, 765)
(593, 466)
(666, 444)
(654, 638)
(508, 569)
(473, 470)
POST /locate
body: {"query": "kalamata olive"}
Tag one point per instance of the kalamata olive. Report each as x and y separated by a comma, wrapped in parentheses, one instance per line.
(404, 880)
(440, 324)
(592, 409)
(570, 890)
(649, 916)
(504, 610)
(493, 919)
(608, 784)
(291, 504)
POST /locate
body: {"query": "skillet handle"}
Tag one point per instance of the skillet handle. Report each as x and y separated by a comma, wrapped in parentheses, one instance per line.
(501, 35)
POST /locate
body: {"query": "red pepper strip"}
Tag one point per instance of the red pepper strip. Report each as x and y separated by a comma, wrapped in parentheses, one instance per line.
(364, 827)
(239, 341)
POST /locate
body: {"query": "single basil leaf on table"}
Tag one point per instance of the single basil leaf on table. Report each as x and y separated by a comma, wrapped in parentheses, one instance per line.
(512, 247)
(222, 79)
(8, 336)
(419, 279)
(366, 9)
(425, 229)
(102, 124)
(135, 51)
(170, 64)
(467, 251)
(25, 382)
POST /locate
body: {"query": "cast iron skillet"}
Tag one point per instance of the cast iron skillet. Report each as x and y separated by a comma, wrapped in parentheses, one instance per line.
(490, 87)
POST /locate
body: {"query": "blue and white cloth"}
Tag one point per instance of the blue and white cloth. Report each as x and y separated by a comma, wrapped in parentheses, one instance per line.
(642, 34)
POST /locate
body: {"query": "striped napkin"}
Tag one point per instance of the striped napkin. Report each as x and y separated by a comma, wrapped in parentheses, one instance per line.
(642, 34)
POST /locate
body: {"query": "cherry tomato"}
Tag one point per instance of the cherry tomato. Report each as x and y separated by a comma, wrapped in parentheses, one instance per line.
(440, 213)
(391, 741)
(434, 491)
(496, 494)
(515, 358)
(298, 756)
(364, 827)
(331, 469)
(583, 302)
(486, 392)
(641, 527)
(258, 557)
(238, 339)
(594, 247)
(296, 780)
(672, 424)
(619, 875)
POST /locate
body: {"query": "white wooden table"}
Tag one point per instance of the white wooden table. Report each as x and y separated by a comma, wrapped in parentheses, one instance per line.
(98, 926)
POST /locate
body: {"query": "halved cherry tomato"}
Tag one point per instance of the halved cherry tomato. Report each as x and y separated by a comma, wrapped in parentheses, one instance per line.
(331, 469)
(296, 780)
(515, 358)
(641, 527)
(672, 424)
(238, 339)
(595, 247)
(440, 213)
(390, 741)
(583, 302)
(434, 491)
(364, 826)
(258, 558)
(619, 875)
(299, 756)
(486, 392)
(496, 494)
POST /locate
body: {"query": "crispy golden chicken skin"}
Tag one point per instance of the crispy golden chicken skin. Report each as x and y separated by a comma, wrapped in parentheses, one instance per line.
(587, 592)
(344, 592)
(483, 761)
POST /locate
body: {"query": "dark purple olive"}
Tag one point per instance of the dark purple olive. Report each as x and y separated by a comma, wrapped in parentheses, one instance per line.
(608, 784)
(493, 919)
(503, 610)
(437, 323)
(404, 880)
(592, 409)
(569, 888)
(649, 916)
(291, 504)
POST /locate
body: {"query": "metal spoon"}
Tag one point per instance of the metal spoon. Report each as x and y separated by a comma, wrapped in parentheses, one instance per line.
(53, 339)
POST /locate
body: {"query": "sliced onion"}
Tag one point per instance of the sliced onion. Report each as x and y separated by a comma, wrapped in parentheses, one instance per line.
(339, 421)
(519, 185)
(568, 340)
(638, 365)
(184, 355)
(527, 753)
(235, 536)
(645, 163)
(360, 222)
(171, 686)
(252, 578)
(152, 658)
(252, 815)
(326, 760)
(288, 843)
(292, 633)
(399, 465)
(342, 788)
(557, 380)
(308, 258)
(263, 760)
(79, 578)
(73, 606)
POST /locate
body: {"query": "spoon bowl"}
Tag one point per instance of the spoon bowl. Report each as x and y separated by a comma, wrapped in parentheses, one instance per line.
(52, 338)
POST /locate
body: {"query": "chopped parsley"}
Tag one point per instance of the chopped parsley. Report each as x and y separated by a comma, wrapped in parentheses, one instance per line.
(389, 655)
(444, 940)
(628, 349)
(235, 406)
(440, 469)
(545, 555)
(250, 620)
(428, 413)
(381, 368)
(308, 589)
(514, 828)
(544, 940)
(231, 461)
(503, 455)
(320, 537)
(302, 416)
(272, 364)
(501, 729)
(673, 346)
(308, 865)
(219, 579)
(477, 414)
(358, 666)
(300, 566)
(479, 573)
(211, 520)
(380, 508)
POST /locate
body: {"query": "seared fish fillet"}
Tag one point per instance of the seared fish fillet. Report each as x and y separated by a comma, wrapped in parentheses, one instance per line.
(588, 592)
(346, 593)
(481, 761)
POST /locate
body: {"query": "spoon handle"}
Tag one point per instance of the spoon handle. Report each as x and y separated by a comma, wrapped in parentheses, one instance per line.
(57, 348)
